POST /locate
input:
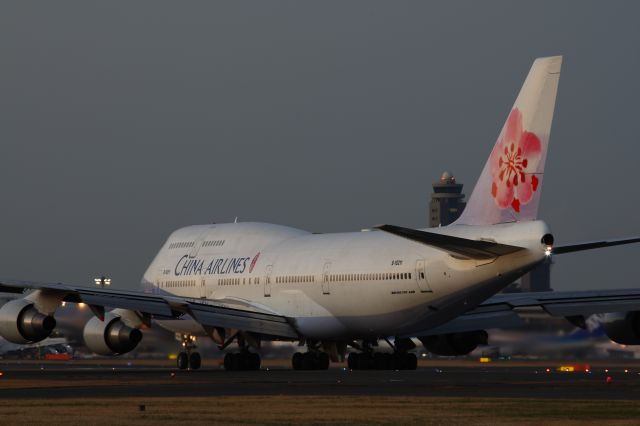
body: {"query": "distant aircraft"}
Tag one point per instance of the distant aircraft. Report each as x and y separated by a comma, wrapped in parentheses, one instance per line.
(538, 339)
(49, 346)
(254, 282)
(53, 348)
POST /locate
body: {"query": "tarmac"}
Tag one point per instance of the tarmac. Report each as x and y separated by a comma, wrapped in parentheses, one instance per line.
(134, 378)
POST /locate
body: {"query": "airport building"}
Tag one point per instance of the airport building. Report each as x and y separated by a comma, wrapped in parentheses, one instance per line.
(539, 279)
(447, 204)
(447, 201)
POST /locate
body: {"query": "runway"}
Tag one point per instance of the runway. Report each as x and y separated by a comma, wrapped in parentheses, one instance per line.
(90, 380)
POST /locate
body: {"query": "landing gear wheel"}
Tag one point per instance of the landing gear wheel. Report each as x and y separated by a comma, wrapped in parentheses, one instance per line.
(365, 361)
(296, 361)
(409, 361)
(237, 363)
(195, 360)
(241, 361)
(352, 360)
(382, 361)
(310, 361)
(253, 361)
(182, 361)
(323, 361)
(307, 361)
(228, 361)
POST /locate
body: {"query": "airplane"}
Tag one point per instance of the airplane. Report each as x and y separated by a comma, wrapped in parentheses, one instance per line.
(246, 283)
(48, 346)
(557, 339)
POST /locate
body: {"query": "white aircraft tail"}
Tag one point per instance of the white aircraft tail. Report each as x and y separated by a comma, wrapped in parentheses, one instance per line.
(509, 187)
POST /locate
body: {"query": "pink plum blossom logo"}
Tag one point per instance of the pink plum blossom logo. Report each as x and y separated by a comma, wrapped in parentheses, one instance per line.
(513, 162)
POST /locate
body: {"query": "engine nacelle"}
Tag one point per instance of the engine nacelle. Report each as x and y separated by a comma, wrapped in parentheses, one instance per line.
(111, 336)
(454, 344)
(623, 327)
(21, 322)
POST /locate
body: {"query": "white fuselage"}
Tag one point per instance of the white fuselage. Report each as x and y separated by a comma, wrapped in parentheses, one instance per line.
(345, 285)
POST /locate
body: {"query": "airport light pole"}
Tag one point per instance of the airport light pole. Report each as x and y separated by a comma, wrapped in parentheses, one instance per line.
(102, 281)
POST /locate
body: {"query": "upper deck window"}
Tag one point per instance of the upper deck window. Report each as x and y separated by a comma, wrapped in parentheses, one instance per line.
(213, 243)
(181, 244)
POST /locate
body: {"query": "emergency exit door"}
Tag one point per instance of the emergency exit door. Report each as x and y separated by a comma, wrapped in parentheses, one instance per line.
(326, 289)
(267, 281)
(421, 276)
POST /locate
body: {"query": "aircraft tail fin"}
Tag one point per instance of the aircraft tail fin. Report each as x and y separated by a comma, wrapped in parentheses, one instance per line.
(509, 187)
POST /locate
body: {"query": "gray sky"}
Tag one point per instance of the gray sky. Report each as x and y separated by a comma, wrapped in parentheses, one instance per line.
(121, 121)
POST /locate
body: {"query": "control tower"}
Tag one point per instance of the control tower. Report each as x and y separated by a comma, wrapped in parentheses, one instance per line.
(446, 201)
(447, 204)
(538, 279)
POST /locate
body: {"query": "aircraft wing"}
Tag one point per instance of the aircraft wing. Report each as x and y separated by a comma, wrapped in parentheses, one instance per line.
(570, 248)
(471, 249)
(209, 314)
(508, 309)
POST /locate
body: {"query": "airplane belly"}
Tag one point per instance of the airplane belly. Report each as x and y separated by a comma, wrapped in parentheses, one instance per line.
(363, 321)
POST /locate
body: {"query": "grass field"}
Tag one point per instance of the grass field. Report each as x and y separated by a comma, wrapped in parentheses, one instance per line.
(316, 410)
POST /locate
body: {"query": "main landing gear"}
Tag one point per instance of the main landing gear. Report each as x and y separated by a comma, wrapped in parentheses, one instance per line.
(312, 360)
(244, 360)
(187, 358)
(399, 359)
(382, 361)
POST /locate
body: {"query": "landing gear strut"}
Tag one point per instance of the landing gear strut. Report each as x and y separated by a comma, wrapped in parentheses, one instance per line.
(187, 358)
(400, 359)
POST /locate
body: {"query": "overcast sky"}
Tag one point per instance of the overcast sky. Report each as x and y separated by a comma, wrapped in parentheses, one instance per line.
(121, 121)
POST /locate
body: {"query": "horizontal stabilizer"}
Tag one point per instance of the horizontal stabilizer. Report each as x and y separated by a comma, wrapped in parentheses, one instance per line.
(471, 249)
(593, 245)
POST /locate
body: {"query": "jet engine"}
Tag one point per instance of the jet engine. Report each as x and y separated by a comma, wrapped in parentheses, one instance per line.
(623, 327)
(454, 344)
(21, 322)
(111, 336)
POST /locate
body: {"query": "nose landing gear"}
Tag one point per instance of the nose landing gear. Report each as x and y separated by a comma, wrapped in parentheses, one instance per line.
(187, 358)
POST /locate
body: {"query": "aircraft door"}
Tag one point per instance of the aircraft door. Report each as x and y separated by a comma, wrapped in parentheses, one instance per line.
(267, 281)
(421, 276)
(325, 278)
(203, 289)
